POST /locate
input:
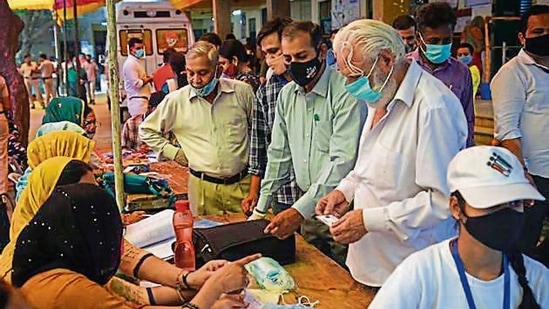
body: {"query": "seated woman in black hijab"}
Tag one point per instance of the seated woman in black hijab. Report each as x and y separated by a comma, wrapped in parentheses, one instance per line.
(72, 247)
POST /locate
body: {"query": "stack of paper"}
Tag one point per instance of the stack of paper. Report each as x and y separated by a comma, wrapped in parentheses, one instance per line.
(156, 235)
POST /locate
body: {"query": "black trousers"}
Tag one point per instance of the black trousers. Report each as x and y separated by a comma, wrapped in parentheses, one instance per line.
(533, 224)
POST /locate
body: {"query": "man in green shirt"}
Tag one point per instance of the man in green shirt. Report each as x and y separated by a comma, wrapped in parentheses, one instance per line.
(315, 132)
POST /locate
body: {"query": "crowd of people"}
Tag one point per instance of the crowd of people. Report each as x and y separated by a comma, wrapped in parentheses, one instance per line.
(45, 78)
(374, 127)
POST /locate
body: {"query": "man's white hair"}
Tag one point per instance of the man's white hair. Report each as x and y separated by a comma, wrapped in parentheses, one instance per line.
(366, 38)
(202, 48)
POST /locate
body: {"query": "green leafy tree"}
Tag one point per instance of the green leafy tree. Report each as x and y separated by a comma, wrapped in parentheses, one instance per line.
(38, 25)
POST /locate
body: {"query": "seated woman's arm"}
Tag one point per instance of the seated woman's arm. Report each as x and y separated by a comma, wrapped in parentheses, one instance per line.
(143, 265)
(161, 295)
(73, 290)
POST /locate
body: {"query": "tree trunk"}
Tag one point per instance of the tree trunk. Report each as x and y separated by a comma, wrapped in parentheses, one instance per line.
(11, 26)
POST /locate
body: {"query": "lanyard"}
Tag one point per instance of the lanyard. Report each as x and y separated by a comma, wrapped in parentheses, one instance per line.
(465, 283)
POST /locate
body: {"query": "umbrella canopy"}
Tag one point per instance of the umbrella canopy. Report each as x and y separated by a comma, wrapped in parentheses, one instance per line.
(83, 6)
(183, 4)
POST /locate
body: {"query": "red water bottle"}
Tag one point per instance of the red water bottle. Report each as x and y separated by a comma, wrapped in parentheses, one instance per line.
(183, 227)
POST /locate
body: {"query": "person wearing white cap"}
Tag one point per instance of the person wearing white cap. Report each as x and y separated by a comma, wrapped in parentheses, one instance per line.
(481, 268)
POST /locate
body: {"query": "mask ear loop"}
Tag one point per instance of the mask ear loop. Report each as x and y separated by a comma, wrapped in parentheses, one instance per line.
(386, 79)
(281, 296)
(353, 68)
(305, 301)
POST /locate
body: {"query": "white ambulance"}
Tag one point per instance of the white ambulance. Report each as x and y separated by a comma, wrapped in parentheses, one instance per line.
(158, 24)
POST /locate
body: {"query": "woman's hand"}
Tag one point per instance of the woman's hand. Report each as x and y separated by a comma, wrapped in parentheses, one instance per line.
(230, 301)
(233, 277)
(197, 278)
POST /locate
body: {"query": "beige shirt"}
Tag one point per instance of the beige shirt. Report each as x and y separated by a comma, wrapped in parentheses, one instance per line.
(27, 69)
(215, 137)
(47, 68)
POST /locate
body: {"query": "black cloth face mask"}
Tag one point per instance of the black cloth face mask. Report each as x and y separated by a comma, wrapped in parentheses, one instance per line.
(304, 72)
(538, 46)
(499, 230)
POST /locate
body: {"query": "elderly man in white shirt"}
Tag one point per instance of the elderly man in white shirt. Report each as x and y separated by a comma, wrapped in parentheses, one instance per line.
(136, 81)
(414, 128)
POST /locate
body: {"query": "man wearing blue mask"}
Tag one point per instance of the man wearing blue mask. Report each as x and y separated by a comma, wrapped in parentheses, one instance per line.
(315, 133)
(211, 120)
(465, 56)
(415, 126)
(435, 26)
(136, 80)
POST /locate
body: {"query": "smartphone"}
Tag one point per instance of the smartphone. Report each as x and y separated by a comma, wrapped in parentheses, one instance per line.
(328, 219)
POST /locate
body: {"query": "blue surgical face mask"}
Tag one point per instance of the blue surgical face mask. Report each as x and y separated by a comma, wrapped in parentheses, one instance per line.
(466, 59)
(206, 90)
(139, 53)
(435, 53)
(362, 90)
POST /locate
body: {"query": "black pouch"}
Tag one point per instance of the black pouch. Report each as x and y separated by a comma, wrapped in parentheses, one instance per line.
(234, 241)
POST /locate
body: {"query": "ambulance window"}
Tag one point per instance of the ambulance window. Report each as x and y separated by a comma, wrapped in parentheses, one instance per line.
(145, 35)
(172, 38)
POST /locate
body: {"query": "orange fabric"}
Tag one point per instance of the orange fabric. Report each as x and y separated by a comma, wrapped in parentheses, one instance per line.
(52, 288)
(84, 6)
(183, 4)
(161, 75)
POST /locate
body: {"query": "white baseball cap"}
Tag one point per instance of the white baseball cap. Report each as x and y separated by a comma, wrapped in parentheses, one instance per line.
(488, 176)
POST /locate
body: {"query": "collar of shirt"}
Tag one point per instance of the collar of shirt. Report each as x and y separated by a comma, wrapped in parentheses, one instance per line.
(321, 87)
(223, 87)
(527, 59)
(134, 59)
(407, 88)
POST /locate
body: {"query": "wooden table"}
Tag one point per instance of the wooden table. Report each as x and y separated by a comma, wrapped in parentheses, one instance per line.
(177, 177)
(318, 277)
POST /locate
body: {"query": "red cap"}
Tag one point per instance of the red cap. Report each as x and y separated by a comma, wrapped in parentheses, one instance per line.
(182, 205)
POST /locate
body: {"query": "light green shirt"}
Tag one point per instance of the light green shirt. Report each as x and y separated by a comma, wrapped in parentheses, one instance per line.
(317, 135)
(214, 137)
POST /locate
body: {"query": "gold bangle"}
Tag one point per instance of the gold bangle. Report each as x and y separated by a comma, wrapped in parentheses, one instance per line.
(181, 297)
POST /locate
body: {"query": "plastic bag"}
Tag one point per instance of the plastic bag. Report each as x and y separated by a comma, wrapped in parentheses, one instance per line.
(270, 275)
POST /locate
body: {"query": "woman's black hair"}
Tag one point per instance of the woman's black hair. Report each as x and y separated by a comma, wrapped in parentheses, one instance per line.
(233, 48)
(516, 259)
(72, 172)
(178, 64)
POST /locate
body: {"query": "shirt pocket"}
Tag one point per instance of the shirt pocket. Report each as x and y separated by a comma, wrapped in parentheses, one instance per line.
(457, 90)
(235, 128)
(384, 168)
(323, 132)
